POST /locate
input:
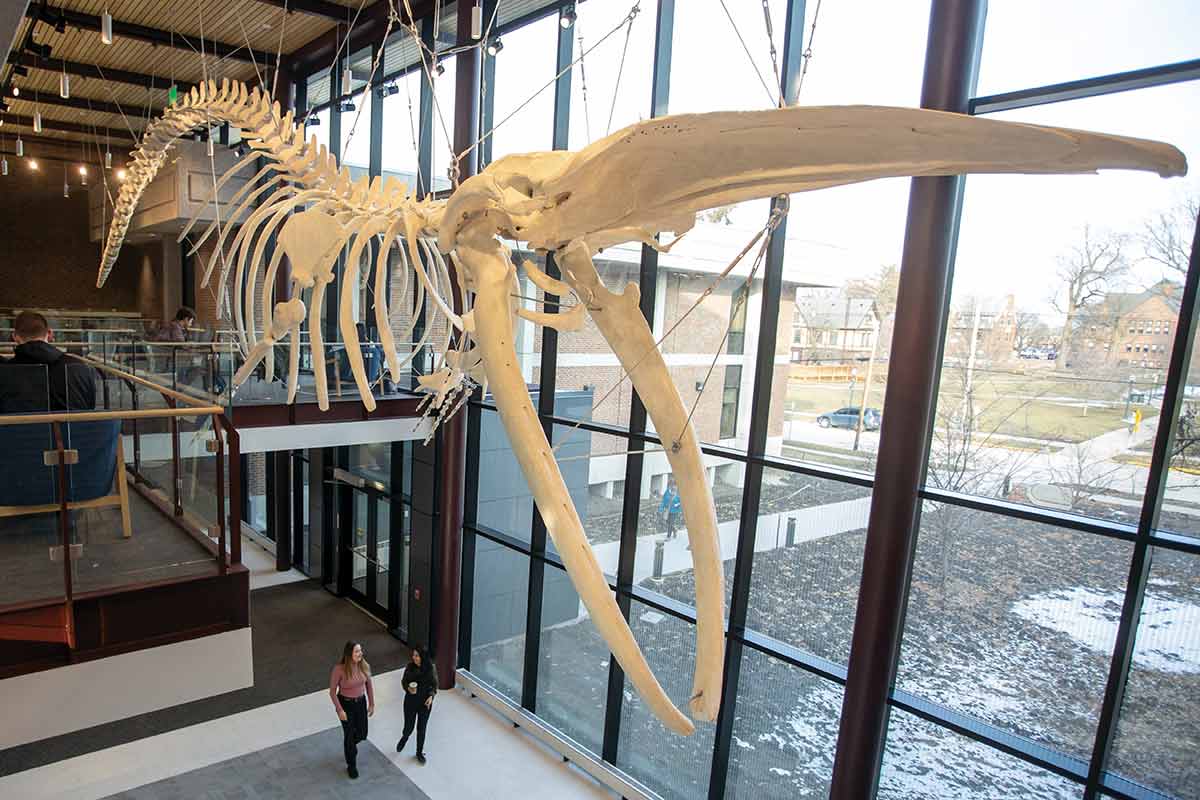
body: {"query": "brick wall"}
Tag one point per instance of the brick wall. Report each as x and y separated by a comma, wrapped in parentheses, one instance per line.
(45, 255)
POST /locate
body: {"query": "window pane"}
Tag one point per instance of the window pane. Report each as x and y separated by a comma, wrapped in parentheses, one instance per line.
(590, 382)
(593, 467)
(573, 671)
(523, 67)
(1073, 432)
(400, 131)
(505, 502)
(1158, 732)
(356, 133)
(1178, 511)
(807, 562)
(500, 595)
(443, 124)
(613, 79)
(784, 732)
(925, 760)
(1013, 622)
(663, 561)
(1028, 43)
(840, 329)
(677, 767)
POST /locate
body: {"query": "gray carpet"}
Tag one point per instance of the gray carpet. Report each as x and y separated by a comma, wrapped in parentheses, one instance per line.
(298, 632)
(311, 767)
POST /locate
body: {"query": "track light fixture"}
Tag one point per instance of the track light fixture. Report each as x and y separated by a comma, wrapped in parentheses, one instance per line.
(313, 121)
(567, 18)
(16, 90)
(441, 68)
(3, 106)
(388, 89)
(346, 106)
(242, 150)
(106, 35)
(477, 20)
(40, 50)
(495, 46)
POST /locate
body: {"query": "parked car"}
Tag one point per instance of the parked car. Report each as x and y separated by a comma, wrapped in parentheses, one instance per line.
(847, 417)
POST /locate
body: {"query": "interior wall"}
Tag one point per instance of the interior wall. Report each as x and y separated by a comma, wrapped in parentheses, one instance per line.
(46, 259)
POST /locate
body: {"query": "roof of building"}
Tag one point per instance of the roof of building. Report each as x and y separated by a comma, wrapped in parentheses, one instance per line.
(1120, 304)
(835, 310)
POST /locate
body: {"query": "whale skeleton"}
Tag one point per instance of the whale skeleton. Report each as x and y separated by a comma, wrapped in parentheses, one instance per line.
(649, 178)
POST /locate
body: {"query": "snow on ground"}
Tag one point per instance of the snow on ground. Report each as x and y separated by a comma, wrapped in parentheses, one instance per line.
(1168, 638)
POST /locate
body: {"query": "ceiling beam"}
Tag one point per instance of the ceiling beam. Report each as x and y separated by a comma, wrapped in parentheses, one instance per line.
(32, 61)
(316, 8)
(67, 127)
(154, 36)
(318, 52)
(71, 143)
(85, 104)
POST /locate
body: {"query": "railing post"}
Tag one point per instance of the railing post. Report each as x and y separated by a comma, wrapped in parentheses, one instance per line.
(221, 556)
(176, 461)
(64, 527)
(137, 439)
(235, 494)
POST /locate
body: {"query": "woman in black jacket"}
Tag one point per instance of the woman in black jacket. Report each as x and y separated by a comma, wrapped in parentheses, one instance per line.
(420, 685)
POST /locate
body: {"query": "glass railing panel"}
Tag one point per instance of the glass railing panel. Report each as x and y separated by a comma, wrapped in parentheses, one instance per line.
(30, 534)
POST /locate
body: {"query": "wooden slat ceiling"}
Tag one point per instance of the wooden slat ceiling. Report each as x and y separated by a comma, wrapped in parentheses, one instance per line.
(240, 23)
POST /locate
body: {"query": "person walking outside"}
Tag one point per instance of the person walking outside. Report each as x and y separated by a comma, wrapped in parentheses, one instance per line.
(671, 506)
(420, 685)
(353, 699)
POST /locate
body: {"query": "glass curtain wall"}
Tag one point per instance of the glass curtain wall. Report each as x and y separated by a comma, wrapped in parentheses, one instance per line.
(1050, 638)
(1048, 533)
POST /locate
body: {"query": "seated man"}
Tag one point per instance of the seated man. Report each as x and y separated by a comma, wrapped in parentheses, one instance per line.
(39, 376)
(177, 329)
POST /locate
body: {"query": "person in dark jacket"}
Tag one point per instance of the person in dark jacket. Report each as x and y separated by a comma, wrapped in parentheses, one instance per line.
(40, 377)
(420, 685)
(177, 329)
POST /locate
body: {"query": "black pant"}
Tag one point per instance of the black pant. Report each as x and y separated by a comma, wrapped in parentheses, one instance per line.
(415, 713)
(354, 727)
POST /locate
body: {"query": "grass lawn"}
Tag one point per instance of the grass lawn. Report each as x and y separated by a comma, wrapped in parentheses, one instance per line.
(1040, 405)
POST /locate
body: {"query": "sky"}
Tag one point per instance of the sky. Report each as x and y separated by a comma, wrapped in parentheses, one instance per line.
(1014, 227)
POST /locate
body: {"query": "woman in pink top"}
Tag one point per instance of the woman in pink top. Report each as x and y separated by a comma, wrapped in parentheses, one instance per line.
(354, 699)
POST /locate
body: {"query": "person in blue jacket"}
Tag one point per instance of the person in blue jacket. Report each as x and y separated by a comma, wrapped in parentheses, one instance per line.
(671, 506)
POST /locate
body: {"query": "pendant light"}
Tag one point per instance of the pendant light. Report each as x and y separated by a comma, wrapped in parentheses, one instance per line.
(64, 83)
(37, 121)
(210, 144)
(83, 174)
(3, 165)
(66, 183)
(106, 36)
(477, 20)
(107, 151)
(21, 148)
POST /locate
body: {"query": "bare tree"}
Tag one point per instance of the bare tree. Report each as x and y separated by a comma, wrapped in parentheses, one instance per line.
(882, 287)
(1167, 238)
(1083, 475)
(1030, 331)
(1089, 271)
